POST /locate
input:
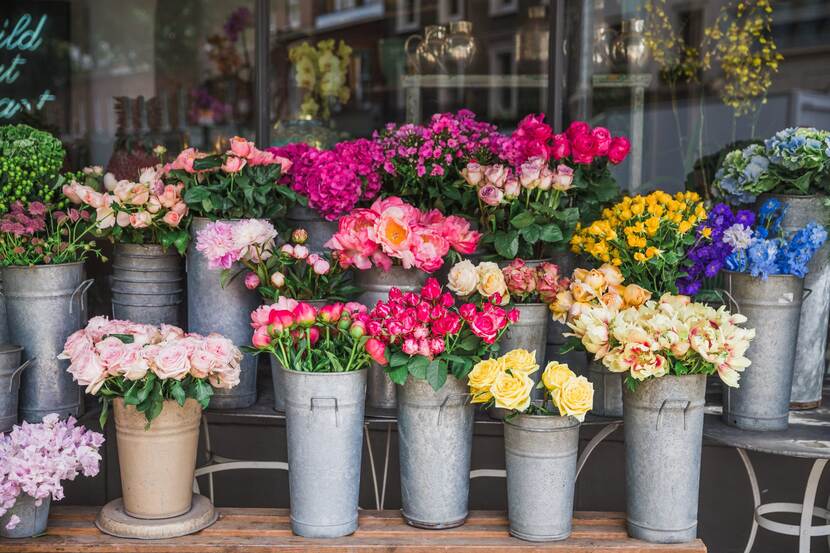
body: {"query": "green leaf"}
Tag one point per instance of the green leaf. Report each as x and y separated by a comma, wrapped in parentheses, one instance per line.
(105, 409)
(522, 220)
(209, 162)
(178, 393)
(531, 234)
(551, 233)
(398, 359)
(507, 244)
(469, 343)
(227, 275)
(334, 361)
(196, 194)
(125, 338)
(417, 366)
(397, 374)
(436, 374)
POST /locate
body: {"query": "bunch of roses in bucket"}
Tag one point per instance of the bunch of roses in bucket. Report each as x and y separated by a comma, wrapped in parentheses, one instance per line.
(144, 212)
(241, 182)
(290, 270)
(505, 382)
(671, 336)
(428, 337)
(393, 231)
(145, 364)
(38, 235)
(334, 181)
(518, 282)
(34, 458)
(332, 338)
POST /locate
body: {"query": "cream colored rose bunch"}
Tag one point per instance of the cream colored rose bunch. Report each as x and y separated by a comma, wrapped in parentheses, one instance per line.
(671, 336)
(485, 279)
(505, 382)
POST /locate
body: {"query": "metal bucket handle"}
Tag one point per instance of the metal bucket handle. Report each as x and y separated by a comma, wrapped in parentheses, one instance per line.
(336, 408)
(804, 295)
(444, 404)
(17, 372)
(81, 291)
(684, 402)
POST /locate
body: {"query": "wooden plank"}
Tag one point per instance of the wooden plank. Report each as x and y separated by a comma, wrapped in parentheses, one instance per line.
(264, 530)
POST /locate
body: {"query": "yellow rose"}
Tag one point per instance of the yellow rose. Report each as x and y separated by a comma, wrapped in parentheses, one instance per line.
(555, 375)
(595, 281)
(512, 391)
(463, 278)
(484, 373)
(635, 295)
(491, 281)
(575, 398)
(520, 361)
(561, 305)
(581, 293)
(480, 395)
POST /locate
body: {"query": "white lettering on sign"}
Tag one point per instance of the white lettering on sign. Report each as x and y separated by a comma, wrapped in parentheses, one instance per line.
(21, 36)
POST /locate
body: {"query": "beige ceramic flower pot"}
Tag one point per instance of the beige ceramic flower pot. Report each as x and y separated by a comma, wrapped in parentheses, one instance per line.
(157, 464)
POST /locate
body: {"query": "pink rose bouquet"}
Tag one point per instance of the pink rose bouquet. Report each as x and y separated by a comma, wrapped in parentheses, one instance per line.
(34, 458)
(146, 211)
(243, 181)
(333, 338)
(517, 282)
(428, 337)
(146, 365)
(393, 231)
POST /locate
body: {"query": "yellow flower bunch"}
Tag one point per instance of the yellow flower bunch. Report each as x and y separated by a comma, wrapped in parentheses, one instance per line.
(572, 395)
(645, 236)
(321, 72)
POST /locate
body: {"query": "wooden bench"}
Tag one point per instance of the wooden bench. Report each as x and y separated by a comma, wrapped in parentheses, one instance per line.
(71, 530)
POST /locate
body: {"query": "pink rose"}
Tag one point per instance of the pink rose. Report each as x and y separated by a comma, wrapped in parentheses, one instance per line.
(223, 349)
(141, 219)
(233, 164)
(561, 147)
(285, 163)
(185, 160)
(410, 346)
(201, 363)
(139, 194)
(134, 365)
(122, 219)
(260, 157)
(88, 370)
(520, 279)
(577, 128)
(171, 362)
(496, 175)
(530, 171)
(490, 195)
(376, 350)
(472, 173)
(241, 147)
(512, 189)
(563, 178)
(602, 141)
(170, 196)
(77, 343)
(487, 324)
(582, 149)
(617, 152)
(110, 351)
(172, 219)
(153, 205)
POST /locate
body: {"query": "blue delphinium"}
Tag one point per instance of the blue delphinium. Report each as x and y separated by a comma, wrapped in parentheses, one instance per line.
(794, 258)
(761, 258)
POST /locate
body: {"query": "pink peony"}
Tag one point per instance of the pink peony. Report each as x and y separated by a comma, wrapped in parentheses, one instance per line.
(216, 243)
(251, 281)
(352, 239)
(233, 164)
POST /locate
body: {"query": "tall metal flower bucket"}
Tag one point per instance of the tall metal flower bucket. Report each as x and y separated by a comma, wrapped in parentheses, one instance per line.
(811, 346)
(324, 423)
(33, 517)
(4, 325)
(773, 308)
(319, 230)
(46, 303)
(375, 283)
(608, 389)
(567, 262)
(10, 371)
(212, 308)
(540, 453)
(435, 437)
(530, 333)
(147, 284)
(277, 373)
(663, 426)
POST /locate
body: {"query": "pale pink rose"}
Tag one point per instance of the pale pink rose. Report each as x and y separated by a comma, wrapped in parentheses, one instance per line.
(139, 194)
(185, 160)
(71, 192)
(223, 348)
(512, 188)
(180, 208)
(171, 218)
(192, 342)
(224, 376)
(473, 173)
(490, 195)
(285, 304)
(104, 218)
(241, 147)
(77, 343)
(170, 196)
(98, 327)
(201, 363)
(171, 362)
(153, 205)
(141, 219)
(96, 199)
(89, 371)
(123, 191)
(233, 164)
(563, 179)
(170, 332)
(496, 175)
(285, 163)
(110, 351)
(122, 218)
(530, 172)
(133, 364)
(109, 182)
(321, 267)
(545, 179)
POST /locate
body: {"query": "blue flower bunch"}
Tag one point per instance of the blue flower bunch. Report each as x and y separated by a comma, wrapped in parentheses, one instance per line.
(793, 161)
(766, 250)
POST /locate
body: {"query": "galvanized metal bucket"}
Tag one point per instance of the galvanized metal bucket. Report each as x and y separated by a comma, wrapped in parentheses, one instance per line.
(567, 262)
(212, 308)
(147, 284)
(10, 371)
(46, 303)
(435, 438)
(4, 325)
(324, 424)
(773, 308)
(319, 230)
(33, 518)
(608, 389)
(540, 453)
(663, 439)
(375, 283)
(277, 369)
(810, 362)
(530, 333)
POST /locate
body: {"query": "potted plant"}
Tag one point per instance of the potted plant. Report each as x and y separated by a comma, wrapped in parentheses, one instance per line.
(324, 354)
(431, 347)
(157, 380)
(34, 458)
(764, 278)
(665, 349)
(242, 182)
(792, 166)
(395, 245)
(147, 221)
(541, 438)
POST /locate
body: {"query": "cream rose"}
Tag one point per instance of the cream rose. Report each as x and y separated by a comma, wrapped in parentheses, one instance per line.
(555, 375)
(520, 361)
(463, 278)
(575, 398)
(491, 281)
(512, 391)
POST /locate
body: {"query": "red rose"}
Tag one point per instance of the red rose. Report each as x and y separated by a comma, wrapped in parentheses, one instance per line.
(576, 128)
(620, 146)
(582, 147)
(561, 147)
(602, 140)
(468, 311)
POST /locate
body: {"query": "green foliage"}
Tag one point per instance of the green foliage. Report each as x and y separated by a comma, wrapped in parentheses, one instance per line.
(30, 162)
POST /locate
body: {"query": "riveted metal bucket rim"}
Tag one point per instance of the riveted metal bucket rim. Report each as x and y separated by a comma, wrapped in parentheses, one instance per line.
(322, 373)
(568, 423)
(800, 196)
(539, 537)
(749, 275)
(434, 525)
(42, 267)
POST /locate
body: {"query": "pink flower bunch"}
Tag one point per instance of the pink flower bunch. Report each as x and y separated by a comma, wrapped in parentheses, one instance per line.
(499, 184)
(294, 152)
(35, 458)
(393, 230)
(24, 221)
(580, 143)
(113, 349)
(223, 244)
(241, 153)
(526, 283)
(339, 330)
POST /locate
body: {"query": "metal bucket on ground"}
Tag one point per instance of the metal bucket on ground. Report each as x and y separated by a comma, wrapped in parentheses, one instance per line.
(773, 308)
(663, 425)
(46, 303)
(608, 389)
(212, 308)
(10, 370)
(540, 454)
(33, 518)
(4, 325)
(435, 437)
(324, 422)
(147, 284)
(319, 230)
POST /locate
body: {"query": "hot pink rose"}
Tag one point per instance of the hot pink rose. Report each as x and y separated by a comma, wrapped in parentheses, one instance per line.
(376, 350)
(487, 324)
(172, 362)
(561, 147)
(577, 128)
(582, 149)
(602, 141)
(410, 346)
(241, 147)
(618, 150)
(468, 311)
(233, 164)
